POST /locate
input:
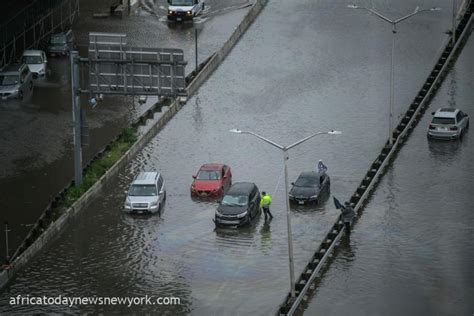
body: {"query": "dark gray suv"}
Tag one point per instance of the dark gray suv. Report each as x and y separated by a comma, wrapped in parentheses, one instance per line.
(61, 43)
(240, 205)
(15, 81)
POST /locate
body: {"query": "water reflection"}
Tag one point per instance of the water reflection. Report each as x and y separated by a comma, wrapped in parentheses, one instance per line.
(444, 150)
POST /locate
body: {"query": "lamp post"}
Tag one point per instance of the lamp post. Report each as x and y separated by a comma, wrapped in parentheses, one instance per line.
(7, 257)
(394, 31)
(285, 149)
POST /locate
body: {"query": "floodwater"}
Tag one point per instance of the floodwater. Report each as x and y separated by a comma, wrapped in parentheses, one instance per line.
(302, 67)
(36, 158)
(411, 253)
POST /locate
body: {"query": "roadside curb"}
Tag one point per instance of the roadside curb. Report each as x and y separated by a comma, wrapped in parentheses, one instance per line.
(56, 227)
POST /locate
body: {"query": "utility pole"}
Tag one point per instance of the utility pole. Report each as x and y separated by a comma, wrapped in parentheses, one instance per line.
(76, 118)
(7, 258)
(196, 47)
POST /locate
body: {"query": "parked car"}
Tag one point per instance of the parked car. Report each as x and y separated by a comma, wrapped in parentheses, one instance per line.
(309, 187)
(146, 193)
(448, 123)
(15, 81)
(240, 205)
(36, 61)
(212, 180)
(61, 43)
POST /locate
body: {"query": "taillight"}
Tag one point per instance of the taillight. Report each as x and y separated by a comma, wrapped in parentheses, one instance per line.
(453, 128)
(431, 127)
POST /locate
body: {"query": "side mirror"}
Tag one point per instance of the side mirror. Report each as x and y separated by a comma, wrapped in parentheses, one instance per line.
(292, 183)
(194, 176)
(432, 113)
(169, 1)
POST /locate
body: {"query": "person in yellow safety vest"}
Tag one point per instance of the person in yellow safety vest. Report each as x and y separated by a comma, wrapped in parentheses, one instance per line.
(265, 202)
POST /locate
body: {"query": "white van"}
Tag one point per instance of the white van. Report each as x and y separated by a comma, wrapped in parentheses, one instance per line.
(181, 10)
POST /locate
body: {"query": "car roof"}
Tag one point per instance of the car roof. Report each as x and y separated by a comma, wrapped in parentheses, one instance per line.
(309, 174)
(241, 187)
(13, 68)
(146, 177)
(212, 166)
(446, 112)
(32, 52)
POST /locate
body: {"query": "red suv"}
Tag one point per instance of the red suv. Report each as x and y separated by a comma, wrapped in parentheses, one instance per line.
(212, 180)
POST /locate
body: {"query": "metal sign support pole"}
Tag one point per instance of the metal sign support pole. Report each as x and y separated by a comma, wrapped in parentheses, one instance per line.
(196, 47)
(7, 258)
(76, 118)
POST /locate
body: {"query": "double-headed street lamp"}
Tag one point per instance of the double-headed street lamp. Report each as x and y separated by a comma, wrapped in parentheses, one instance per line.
(394, 31)
(288, 217)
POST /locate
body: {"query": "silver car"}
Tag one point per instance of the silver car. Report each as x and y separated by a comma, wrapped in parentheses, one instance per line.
(448, 123)
(15, 81)
(146, 194)
(36, 61)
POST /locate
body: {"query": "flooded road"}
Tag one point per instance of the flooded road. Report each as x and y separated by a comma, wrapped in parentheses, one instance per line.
(411, 252)
(289, 76)
(36, 134)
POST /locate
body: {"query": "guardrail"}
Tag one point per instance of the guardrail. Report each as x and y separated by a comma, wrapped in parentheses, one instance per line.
(304, 283)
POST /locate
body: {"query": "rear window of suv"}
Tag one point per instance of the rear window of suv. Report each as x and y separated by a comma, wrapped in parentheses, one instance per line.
(443, 120)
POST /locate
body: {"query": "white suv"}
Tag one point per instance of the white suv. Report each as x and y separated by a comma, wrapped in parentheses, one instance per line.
(146, 193)
(448, 124)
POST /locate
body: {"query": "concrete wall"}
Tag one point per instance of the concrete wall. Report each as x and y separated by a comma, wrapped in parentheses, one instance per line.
(55, 228)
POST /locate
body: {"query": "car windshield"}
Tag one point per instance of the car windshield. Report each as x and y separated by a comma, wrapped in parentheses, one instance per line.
(235, 200)
(58, 39)
(208, 175)
(8, 80)
(307, 181)
(142, 190)
(32, 60)
(182, 2)
(443, 120)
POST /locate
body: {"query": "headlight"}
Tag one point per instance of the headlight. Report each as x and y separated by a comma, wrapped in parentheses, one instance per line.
(154, 203)
(189, 12)
(170, 12)
(218, 213)
(313, 196)
(127, 203)
(290, 195)
(242, 214)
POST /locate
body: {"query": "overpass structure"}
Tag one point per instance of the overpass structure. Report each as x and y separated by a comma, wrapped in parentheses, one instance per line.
(305, 283)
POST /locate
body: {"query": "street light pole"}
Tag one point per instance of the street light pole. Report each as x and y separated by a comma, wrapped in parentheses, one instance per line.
(394, 32)
(288, 214)
(7, 258)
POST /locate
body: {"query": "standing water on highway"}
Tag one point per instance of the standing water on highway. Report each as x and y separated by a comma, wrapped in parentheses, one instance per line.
(288, 77)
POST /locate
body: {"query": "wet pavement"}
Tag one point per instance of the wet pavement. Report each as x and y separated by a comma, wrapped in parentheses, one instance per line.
(36, 134)
(411, 252)
(319, 68)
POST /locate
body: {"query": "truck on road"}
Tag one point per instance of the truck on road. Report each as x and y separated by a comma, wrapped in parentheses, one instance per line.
(182, 10)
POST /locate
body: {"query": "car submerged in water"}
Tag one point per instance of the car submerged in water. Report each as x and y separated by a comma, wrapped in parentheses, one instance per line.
(448, 123)
(310, 187)
(212, 180)
(240, 205)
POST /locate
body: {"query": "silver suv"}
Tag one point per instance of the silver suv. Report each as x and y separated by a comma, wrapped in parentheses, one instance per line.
(15, 81)
(36, 61)
(146, 193)
(448, 124)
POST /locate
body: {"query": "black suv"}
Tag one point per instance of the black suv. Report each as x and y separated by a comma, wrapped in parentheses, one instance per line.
(239, 206)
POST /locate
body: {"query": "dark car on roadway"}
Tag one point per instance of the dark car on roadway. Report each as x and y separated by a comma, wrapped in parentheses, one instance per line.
(309, 187)
(61, 43)
(240, 205)
(212, 180)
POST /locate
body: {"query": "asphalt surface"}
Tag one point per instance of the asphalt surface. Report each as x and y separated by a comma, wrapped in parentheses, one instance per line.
(302, 67)
(411, 252)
